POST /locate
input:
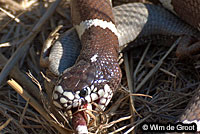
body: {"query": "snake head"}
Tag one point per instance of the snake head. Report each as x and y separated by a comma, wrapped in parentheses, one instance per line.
(79, 86)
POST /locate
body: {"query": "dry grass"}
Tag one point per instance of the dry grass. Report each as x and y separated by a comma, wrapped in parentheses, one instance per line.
(155, 83)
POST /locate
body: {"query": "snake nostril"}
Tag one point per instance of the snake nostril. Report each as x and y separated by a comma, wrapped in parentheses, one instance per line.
(83, 92)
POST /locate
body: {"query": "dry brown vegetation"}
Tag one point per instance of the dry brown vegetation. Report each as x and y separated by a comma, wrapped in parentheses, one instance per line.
(155, 83)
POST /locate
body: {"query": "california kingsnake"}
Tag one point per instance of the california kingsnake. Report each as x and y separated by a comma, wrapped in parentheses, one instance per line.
(107, 76)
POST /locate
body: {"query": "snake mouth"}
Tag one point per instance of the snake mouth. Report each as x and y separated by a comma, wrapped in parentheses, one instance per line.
(82, 107)
(86, 106)
(90, 107)
(68, 100)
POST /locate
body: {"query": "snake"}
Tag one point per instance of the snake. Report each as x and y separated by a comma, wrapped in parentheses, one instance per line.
(85, 57)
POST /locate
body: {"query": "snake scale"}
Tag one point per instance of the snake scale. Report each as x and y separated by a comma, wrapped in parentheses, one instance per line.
(103, 32)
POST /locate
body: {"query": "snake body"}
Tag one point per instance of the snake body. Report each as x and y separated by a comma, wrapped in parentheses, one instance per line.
(96, 73)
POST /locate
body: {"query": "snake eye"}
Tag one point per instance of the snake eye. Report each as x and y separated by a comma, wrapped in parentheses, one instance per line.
(83, 92)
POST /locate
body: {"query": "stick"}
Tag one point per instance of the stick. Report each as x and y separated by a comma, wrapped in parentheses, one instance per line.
(35, 104)
(26, 43)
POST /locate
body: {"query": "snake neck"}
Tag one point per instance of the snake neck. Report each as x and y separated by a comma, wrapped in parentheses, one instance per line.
(96, 28)
(100, 51)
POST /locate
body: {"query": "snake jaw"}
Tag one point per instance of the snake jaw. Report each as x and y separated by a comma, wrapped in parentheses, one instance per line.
(67, 99)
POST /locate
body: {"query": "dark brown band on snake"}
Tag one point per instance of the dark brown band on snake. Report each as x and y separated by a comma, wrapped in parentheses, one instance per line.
(82, 10)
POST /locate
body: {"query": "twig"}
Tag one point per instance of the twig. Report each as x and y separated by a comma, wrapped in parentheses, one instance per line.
(10, 15)
(13, 18)
(157, 66)
(14, 121)
(22, 79)
(161, 69)
(23, 113)
(34, 104)
(116, 121)
(139, 63)
(130, 87)
(5, 124)
(26, 43)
